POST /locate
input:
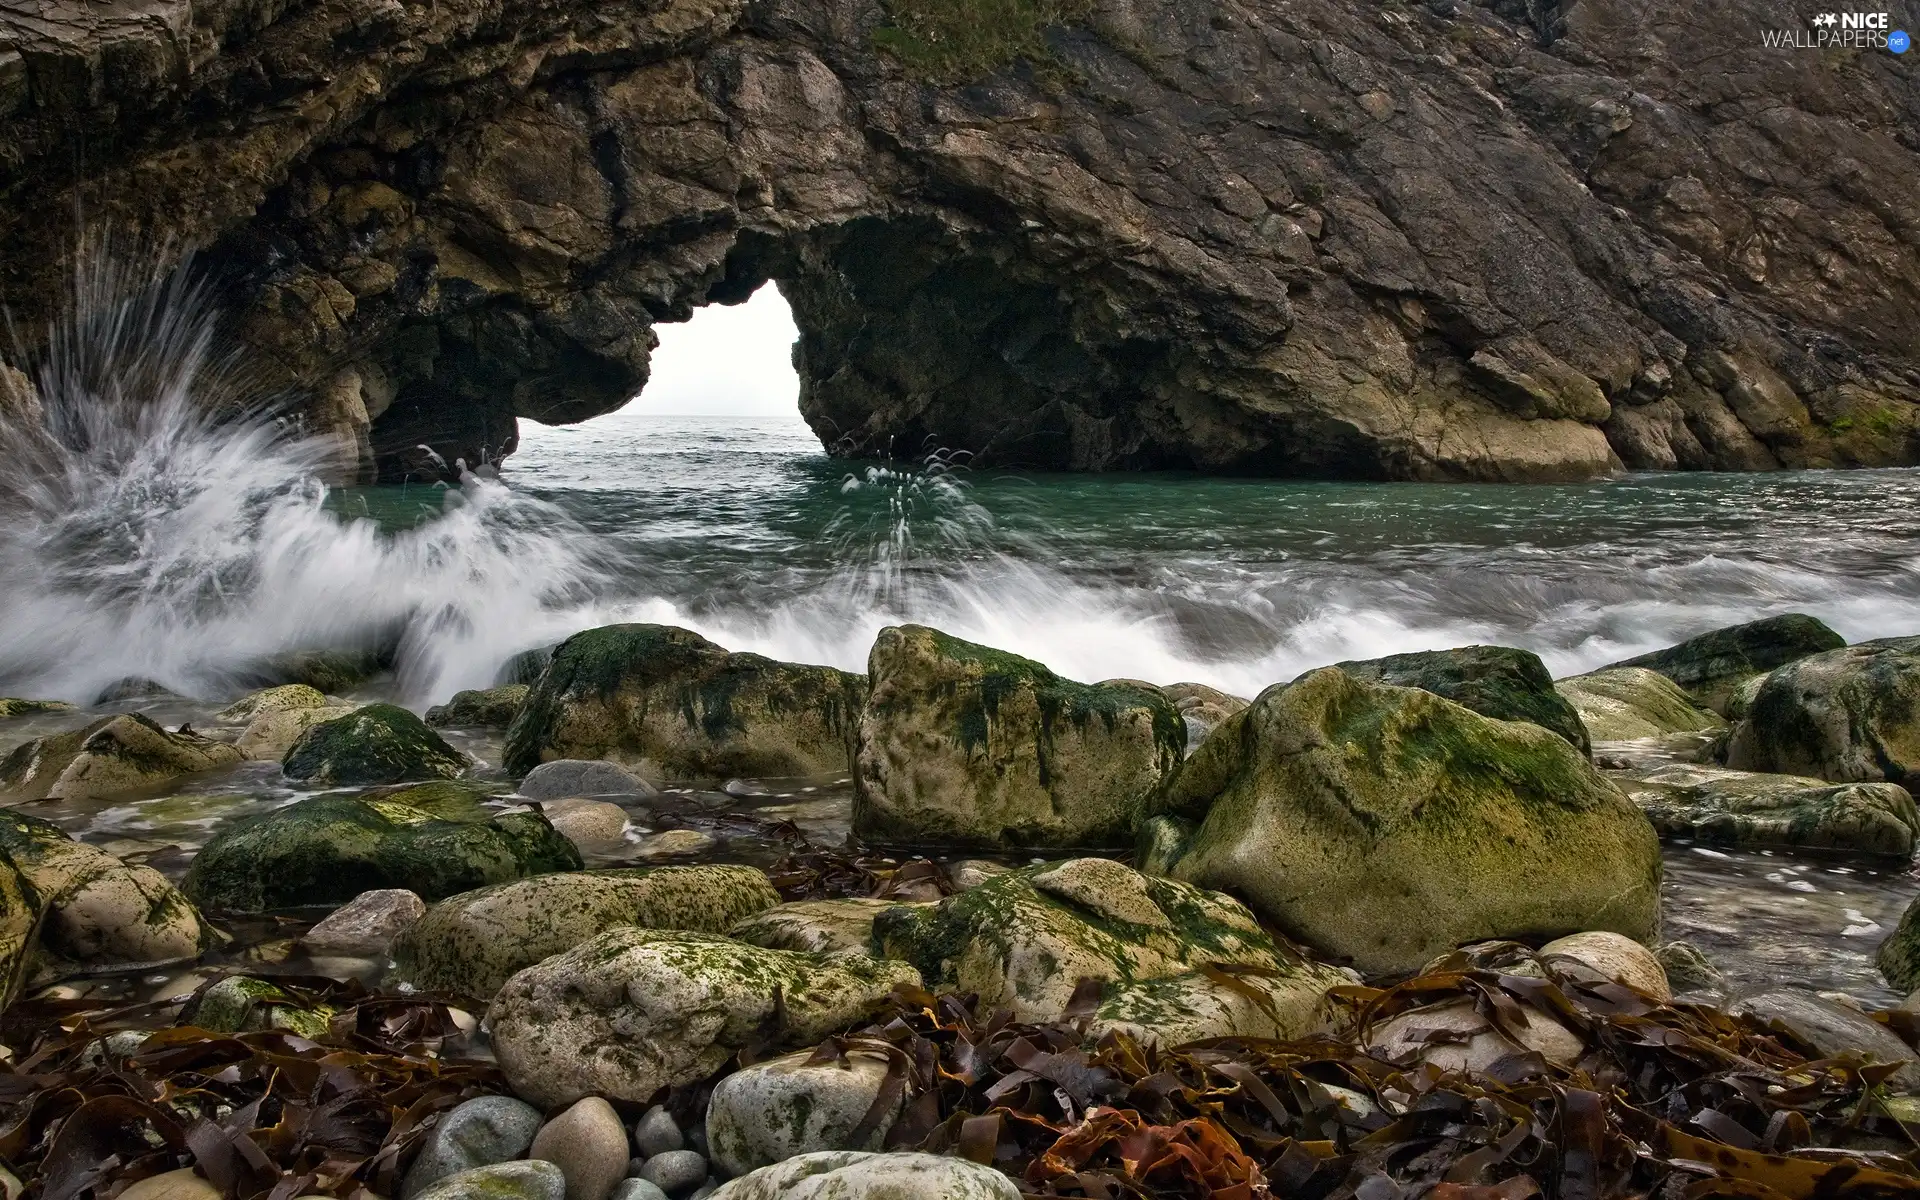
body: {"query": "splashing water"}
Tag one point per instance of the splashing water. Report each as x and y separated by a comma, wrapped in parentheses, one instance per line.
(158, 523)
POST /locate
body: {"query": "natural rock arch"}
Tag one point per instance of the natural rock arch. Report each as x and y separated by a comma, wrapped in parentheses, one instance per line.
(1336, 238)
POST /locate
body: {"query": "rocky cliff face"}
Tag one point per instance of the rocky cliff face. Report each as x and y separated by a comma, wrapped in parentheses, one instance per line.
(1503, 241)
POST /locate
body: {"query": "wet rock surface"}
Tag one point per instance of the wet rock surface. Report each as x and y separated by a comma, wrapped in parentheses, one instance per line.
(381, 743)
(1494, 681)
(1713, 666)
(1843, 715)
(1723, 807)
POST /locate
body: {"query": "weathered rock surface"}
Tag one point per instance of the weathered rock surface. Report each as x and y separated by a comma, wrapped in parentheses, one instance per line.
(97, 908)
(472, 943)
(815, 926)
(239, 1003)
(381, 743)
(1025, 940)
(287, 697)
(109, 757)
(475, 1133)
(329, 849)
(1742, 808)
(1832, 1029)
(856, 1175)
(1474, 242)
(633, 1010)
(366, 926)
(1361, 819)
(527, 1179)
(1844, 715)
(19, 921)
(1713, 666)
(961, 744)
(1899, 955)
(1201, 707)
(672, 705)
(565, 778)
(1455, 1037)
(1620, 959)
(1622, 704)
(274, 732)
(1494, 681)
(798, 1104)
(588, 1142)
(12, 706)
(491, 708)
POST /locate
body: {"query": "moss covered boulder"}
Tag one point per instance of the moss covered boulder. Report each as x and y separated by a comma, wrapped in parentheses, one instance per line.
(1494, 681)
(672, 705)
(287, 697)
(1846, 715)
(815, 926)
(473, 942)
(491, 708)
(381, 743)
(329, 849)
(633, 1010)
(19, 921)
(11, 706)
(963, 745)
(1623, 704)
(1712, 667)
(110, 757)
(1024, 940)
(243, 1004)
(1744, 808)
(97, 908)
(1384, 825)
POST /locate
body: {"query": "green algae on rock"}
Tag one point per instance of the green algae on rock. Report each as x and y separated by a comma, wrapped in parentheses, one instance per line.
(843, 926)
(1724, 807)
(672, 705)
(1621, 704)
(961, 744)
(632, 1010)
(1845, 715)
(490, 708)
(97, 908)
(19, 922)
(240, 1003)
(381, 743)
(1384, 825)
(11, 706)
(109, 757)
(1495, 681)
(286, 697)
(1712, 667)
(329, 849)
(473, 942)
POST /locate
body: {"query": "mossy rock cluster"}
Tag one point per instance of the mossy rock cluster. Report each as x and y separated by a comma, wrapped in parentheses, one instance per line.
(381, 743)
(1495, 681)
(670, 704)
(1712, 667)
(1741, 808)
(1626, 703)
(1847, 715)
(329, 849)
(964, 745)
(1385, 825)
(112, 756)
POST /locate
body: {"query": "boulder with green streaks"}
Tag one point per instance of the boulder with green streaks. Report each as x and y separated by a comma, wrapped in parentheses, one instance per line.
(1385, 825)
(473, 942)
(1494, 681)
(242, 1004)
(1626, 703)
(1723, 807)
(489, 708)
(381, 743)
(329, 849)
(633, 1010)
(670, 704)
(1847, 715)
(13, 706)
(113, 756)
(97, 908)
(19, 920)
(1713, 666)
(964, 745)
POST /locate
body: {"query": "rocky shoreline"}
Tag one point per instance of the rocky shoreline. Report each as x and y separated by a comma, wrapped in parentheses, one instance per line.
(1393, 926)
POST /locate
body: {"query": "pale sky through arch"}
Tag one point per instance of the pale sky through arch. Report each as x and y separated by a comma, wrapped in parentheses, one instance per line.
(728, 360)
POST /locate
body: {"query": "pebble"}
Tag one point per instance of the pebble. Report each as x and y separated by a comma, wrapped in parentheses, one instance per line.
(521, 1180)
(587, 822)
(675, 842)
(675, 1172)
(588, 1142)
(637, 1189)
(566, 777)
(478, 1133)
(173, 1185)
(367, 925)
(656, 1132)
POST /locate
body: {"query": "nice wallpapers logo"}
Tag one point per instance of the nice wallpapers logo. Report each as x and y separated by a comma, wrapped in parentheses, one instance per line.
(1843, 30)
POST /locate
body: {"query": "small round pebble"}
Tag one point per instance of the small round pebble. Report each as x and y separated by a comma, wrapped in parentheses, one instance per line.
(588, 1142)
(656, 1132)
(637, 1189)
(675, 1172)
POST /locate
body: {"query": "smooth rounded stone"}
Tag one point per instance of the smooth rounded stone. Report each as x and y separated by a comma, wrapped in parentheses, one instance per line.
(588, 1142)
(183, 1184)
(1899, 955)
(1501, 682)
(965, 745)
(672, 705)
(1688, 968)
(567, 777)
(1163, 839)
(1467, 1041)
(381, 743)
(30, 770)
(1831, 1029)
(1725, 807)
(110, 757)
(656, 1132)
(1848, 715)
(272, 733)
(475, 1133)
(633, 1010)
(857, 1175)
(675, 843)
(97, 908)
(288, 697)
(1025, 939)
(1362, 819)
(13, 706)
(587, 822)
(489, 708)
(472, 943)
(1618, 958)
(1714, 665)
(1196, 1005)
(635, 1188)
(815, 926)
(329, 849)
(366, 925)
(1625, 703)
(773, 1110)
(675, 1172)
(527, 1179)
(972, 872)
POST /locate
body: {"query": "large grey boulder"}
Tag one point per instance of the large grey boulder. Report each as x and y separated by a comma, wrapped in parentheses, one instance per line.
(1494, 681)
(1385, 825)
(565, 778)
(672, 705)
(1713, 666)
(964, 745)
(1844, 715)
(632, 1010)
